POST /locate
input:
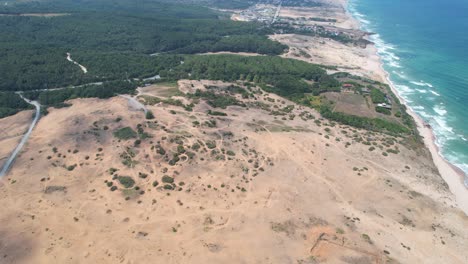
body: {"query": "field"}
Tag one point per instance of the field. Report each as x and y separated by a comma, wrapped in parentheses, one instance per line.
(354, 104)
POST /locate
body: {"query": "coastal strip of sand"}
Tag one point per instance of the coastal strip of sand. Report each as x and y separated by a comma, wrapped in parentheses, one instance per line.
(365, 62)
(451, 174)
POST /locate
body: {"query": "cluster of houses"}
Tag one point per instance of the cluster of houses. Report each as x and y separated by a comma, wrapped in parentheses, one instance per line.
(385, 105)
(262, 13)
(365, 91)
(347, 88)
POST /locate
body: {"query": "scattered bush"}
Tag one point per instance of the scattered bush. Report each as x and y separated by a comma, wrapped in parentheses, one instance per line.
(167, 179)
(216, 113)
(160, 150)
(137, 143)
(210, 123)
(71, 167)
(367, 238)
(210, 144)
(180, 149)
(168, 187)
(126, 181)
(149, 115)
(196, 146)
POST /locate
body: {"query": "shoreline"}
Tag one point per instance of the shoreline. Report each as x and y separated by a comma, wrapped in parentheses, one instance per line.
(452, 175)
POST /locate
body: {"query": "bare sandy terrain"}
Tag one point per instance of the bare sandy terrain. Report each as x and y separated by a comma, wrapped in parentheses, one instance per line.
(12, 129)
(348, 58)
(333, 11)
(268, 183)
(355, 60)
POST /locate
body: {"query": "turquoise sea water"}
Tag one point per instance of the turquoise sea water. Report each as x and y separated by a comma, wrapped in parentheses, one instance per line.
(424, 47)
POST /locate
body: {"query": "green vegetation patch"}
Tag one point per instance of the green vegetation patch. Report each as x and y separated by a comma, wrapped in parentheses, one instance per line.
(167, 179)
(126, 181)
(125, 133)
(11, 103)
(216, 100)
(377, 96)
(374, 124)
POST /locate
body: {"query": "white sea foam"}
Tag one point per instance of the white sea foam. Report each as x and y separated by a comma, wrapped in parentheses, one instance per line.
(434, 92)
(443, 131)
(459, 162)
(403, 89)
(364, 21)
(385, 52)
(422, 83)
(394, 64)
(400, 74)
(440, 110)
(423, 114)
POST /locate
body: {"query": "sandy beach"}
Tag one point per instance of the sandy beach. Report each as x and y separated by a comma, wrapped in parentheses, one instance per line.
(452, 175)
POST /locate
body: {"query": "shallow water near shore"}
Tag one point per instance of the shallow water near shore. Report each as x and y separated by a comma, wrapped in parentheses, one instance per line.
(422, 44)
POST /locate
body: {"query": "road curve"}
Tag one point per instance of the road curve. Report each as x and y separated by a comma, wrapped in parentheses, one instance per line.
(14, 154)
(83, 68)
(6, 167)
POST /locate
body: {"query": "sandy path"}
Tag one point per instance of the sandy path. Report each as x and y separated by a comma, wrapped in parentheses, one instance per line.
(135, 103)
(278, 10)
(83, 68)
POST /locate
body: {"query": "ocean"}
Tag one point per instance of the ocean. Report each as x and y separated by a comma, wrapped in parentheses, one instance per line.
(424, 48)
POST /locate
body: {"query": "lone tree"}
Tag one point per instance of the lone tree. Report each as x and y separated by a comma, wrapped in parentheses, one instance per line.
(149, 115)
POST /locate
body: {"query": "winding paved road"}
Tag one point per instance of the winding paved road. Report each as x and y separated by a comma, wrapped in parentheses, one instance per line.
(6, 167)
(25, 138)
